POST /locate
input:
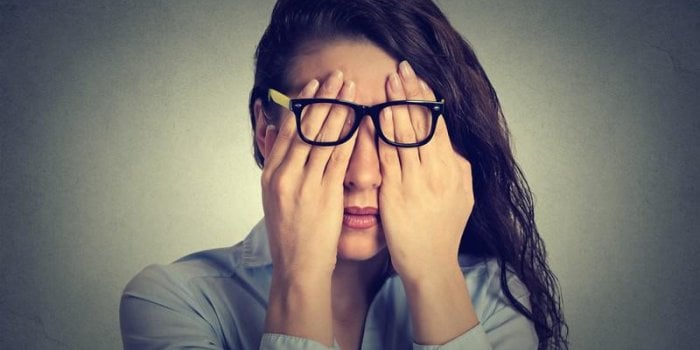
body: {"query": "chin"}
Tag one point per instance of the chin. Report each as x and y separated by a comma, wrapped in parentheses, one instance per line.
(360, 245)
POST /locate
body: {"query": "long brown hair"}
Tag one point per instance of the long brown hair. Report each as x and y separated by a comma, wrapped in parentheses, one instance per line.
(502, 223)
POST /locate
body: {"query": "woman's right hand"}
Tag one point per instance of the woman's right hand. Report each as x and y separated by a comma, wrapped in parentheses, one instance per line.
(302, 186)
(303, 201)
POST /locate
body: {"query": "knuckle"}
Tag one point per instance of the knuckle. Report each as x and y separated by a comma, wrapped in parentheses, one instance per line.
(412, 91)
(308, 130)
(287, 133)
(388, 157)
(338, 157)
(287, 129)
(265, 179)
(280, 185)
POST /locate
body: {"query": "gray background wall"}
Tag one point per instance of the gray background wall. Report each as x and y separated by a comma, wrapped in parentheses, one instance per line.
(125, 143)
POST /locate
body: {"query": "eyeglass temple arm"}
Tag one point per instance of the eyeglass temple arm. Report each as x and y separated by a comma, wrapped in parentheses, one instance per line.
(278, 98)
(284, 101)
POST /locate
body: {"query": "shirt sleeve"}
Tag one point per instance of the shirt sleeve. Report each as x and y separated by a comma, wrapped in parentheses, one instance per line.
(505, 329)
(157, 312)
(274, 341)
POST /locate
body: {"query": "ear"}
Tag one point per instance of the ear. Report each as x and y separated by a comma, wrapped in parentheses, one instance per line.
(260, 127)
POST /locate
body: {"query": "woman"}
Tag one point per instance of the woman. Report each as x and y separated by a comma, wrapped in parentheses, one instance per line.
(395, 215)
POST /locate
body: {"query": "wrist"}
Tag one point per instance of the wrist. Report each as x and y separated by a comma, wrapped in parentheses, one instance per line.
(301, 279)
(305, 267)
(430, 269)
(440, 305)
(433, 277)
(300, 305)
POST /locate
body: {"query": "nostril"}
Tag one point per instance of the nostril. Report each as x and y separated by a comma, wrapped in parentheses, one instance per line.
(363, 182)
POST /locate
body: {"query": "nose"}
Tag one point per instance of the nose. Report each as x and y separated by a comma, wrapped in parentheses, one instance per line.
(363, 170)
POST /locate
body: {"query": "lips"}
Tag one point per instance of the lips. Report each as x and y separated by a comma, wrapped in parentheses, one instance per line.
(360, 218)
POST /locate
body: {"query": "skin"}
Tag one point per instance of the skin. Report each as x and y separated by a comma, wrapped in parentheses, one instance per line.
(325, 272)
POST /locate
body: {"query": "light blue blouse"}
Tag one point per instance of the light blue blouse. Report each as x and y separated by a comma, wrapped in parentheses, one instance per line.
(217, 299)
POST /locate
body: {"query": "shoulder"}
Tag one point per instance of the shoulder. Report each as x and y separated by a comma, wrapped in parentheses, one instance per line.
(192, 269)
(487, 283)
(181, 273)
(199, 298)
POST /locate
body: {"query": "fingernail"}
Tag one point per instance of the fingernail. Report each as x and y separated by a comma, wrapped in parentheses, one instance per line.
(349, 88)
(310, 88)
(394, 81)
(334, 80)
(423, 86)
(406, 69)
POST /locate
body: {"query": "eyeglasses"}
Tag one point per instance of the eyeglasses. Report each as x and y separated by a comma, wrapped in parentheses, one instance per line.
(420, 115)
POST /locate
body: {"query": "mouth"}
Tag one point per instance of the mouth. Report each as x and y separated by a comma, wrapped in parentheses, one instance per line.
(360, 218)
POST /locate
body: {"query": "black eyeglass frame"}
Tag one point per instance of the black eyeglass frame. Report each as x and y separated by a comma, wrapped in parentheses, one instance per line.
(296, 105)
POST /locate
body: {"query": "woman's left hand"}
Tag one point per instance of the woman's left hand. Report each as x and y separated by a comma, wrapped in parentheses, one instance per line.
(426, 194)
(425, 201)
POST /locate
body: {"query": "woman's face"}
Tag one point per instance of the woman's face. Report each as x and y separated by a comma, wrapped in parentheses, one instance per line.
(368, 66)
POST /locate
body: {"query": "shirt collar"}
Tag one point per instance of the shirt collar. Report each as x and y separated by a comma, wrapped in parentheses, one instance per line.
(256, 247)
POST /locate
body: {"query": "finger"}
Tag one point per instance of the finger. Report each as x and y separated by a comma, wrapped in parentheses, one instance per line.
(286, 134)
(337, 165)
(340, 118)
(439, 152)
(389, 162)
(414, 91)
(270, 138)
(403, 131)
(440, 141)
(428, 93)
(420, 117)
(313, 117)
